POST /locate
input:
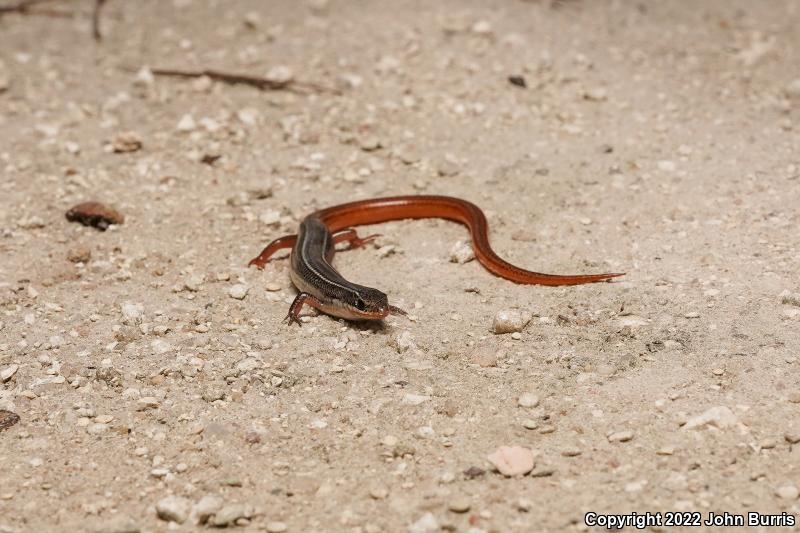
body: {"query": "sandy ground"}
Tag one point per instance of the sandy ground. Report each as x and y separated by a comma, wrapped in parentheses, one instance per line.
(658, 139)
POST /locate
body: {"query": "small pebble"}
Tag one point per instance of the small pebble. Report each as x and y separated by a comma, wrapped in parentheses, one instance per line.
(277, 527)
(205, 507)
(461, 252)
(530, 424)
(8, 372)
(570, 451)
(620, 436)
(510, 320)
(792, 437)
(173, 509)
(230, 513)
(186, 124)
(126, 142)
(720, 417)
(79, 254)
(517, 80)
(370, 143)
(238, 291)
(788, 492)
(512, 460)
(528, 399)
(459, 505)
(378, 493)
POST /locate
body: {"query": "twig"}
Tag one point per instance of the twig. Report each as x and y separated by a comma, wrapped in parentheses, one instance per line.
(260, 83)
(98, 5)
(21, 7)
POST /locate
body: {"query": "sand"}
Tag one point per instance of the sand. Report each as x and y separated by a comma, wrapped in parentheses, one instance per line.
(158, 389)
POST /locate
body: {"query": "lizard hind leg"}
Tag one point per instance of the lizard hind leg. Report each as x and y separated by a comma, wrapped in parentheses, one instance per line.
(350, 236)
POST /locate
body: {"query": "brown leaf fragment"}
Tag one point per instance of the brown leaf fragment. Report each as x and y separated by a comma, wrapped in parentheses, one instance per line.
(94, 214)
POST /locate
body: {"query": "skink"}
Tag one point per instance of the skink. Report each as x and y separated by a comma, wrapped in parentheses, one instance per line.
(323, 288)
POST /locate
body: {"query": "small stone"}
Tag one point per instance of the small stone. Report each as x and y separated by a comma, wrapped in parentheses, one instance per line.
(666, 450)
(403, 342)
(205, 507)
(482, 27)
(793, 88)
(667, 166)
(571, 451)
(474, 472)
(194, 282)
(596, 94)
(173, 509)
(33, 222)
(277, 527)
(620, 436)
(788, 492)
(144, 78)
(720, 417)
(378, 493)
(530, 424)
(447, 168)
(147, 402)
(279, 75)
(8, 372)
(459, 505)
(79, 254)
(270, 218)
(462, 252)
(126, 142)
(427, 523)
(238, 291)
(230, 514)
(510, 320)
(518, 81)
(528, 399)
(414, 399)
(512, 460)
(692, 314)
(370, 143)
(792, 437)
(248, 116)
(252, 20)
(794, 397)
(131, 310)
(186, 124)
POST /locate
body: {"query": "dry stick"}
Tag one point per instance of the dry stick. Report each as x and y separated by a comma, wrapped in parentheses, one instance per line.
(98, 5)
(21, 7)
(262, 84)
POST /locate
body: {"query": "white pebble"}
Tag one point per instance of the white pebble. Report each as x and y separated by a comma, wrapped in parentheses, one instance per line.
(512, 460)
(528, 399)
(461, 252)
(173, 509)
(720, 417)
(186, 123)
(238, 291)
(510, 320)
